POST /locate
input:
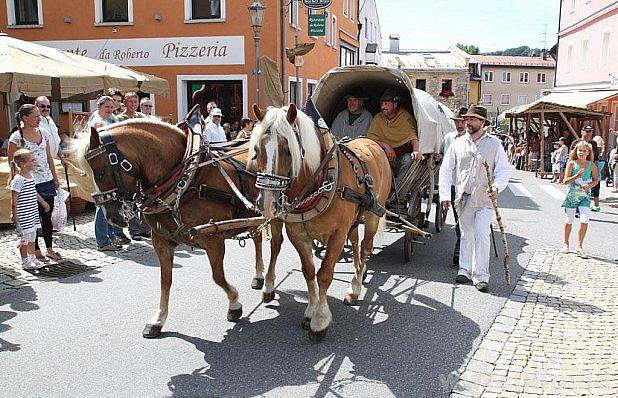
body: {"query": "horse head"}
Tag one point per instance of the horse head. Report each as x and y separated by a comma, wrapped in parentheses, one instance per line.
(283, 144)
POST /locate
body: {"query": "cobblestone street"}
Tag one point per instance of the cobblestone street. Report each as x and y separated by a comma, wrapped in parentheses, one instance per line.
(78, 249)
(555, 336)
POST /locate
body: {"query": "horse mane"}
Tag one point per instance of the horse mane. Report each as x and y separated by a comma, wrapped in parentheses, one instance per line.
(275, 121)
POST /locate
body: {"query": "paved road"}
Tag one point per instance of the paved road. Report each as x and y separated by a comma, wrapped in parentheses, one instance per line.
(411, 334)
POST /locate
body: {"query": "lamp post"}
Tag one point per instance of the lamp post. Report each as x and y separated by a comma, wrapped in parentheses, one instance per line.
(256, 11)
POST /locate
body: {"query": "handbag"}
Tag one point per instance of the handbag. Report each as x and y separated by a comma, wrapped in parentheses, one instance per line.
(59, 214)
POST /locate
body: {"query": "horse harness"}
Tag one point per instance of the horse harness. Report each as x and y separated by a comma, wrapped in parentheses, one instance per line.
(166, 193)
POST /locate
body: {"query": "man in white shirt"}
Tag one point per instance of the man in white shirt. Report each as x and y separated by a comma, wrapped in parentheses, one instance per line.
(209, 108)
(354, 121)
(460, 125)
(214, 133)
(463, 167)
(47, 126)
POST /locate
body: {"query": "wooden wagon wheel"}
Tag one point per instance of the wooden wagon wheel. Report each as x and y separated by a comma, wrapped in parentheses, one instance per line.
(414, 208)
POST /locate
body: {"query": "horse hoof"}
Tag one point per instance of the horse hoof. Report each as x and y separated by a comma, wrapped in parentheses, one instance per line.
(268, 297)
(306, 323)
(151, 331)
(234, 315)
(317, 336)
(257, 283)
(350, 299)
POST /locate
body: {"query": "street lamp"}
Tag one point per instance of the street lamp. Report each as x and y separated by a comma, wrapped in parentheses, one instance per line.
(256, 11)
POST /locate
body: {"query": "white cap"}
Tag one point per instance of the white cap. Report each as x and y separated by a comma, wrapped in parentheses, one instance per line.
(216, 112)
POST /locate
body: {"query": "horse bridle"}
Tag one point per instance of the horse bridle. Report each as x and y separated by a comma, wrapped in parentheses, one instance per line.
(119, 165)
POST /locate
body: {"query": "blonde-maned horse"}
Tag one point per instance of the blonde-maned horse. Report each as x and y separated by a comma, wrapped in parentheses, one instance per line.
(285, 146)
(153, 149)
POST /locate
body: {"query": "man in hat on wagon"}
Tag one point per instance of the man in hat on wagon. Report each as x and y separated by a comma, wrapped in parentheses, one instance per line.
(463, 167)
(354, 121)
(460, 129)
(394, 129)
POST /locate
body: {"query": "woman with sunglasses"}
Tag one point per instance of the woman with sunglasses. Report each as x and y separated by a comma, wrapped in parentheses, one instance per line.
(29, 136)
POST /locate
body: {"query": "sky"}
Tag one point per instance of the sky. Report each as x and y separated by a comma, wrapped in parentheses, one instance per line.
(489, 24)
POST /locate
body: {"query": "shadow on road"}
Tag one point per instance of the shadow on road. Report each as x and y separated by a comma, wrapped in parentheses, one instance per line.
(12, 304)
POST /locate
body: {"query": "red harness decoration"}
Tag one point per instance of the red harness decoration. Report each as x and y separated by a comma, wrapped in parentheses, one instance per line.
(310, 204)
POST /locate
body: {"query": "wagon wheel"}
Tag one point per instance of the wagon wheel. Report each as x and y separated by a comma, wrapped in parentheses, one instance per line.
(414, 207)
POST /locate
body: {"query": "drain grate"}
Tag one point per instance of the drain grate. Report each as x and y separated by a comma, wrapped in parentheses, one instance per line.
(62, 269)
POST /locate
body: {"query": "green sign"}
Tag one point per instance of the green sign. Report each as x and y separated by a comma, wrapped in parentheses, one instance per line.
(316, 4)
(317, 25)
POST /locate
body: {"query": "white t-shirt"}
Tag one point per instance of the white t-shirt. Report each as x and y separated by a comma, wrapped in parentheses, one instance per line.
(214, 133)
(42, 172)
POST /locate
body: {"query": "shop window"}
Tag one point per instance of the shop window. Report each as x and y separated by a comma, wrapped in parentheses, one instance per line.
(113, 12)
(347, 56)
(25, 12)
(204, 10)
(447, 88)
(228, 94)
(421, 84)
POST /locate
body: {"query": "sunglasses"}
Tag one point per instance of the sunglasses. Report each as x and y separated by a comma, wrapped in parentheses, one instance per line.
(44, 106)
(146, 106)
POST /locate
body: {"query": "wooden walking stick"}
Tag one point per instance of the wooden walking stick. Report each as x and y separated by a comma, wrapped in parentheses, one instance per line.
(494, 203)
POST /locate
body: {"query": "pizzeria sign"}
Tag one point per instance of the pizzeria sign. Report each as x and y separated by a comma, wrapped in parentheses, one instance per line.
(316, 4)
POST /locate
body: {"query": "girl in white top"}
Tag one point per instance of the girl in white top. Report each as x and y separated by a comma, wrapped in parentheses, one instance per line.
(24, 208)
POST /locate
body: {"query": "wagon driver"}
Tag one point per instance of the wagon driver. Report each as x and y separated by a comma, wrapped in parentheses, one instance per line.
(354, 121)
(463, 167)
(394, 129)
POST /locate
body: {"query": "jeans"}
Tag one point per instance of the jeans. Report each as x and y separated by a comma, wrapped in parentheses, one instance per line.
(104, 232)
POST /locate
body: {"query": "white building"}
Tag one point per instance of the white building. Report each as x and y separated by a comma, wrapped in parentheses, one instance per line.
(371, 35)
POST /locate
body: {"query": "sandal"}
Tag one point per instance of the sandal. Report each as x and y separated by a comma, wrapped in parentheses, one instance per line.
(55, 256)
(41, 258)
(565, 249)
(581, 253)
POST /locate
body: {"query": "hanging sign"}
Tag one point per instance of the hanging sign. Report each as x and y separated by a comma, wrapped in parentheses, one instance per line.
(317, 25)
(316, 4)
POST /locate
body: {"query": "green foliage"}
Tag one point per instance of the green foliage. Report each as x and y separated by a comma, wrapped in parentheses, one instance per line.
(470, 49)
(521, 51)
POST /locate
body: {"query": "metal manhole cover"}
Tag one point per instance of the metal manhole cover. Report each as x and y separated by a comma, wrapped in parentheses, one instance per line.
(63, 269)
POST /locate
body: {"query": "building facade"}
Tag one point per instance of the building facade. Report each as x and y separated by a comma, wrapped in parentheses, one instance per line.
(441, 73)
(371, 33)
(508, 81)
(587, 55)
(193, 44)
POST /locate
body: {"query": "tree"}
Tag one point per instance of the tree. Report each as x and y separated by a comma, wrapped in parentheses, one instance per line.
(470, 49)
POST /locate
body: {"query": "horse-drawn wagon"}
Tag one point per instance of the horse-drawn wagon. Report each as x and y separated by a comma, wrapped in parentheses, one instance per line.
(417, 190)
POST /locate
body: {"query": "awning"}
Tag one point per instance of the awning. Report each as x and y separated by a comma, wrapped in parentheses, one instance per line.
(580, 99)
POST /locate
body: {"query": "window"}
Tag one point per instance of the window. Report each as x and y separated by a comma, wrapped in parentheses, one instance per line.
(311, 85)
(572, 6)
(522, 99)
(505, 99)
(487, 99)
(352, 9)
(24, 12)
(346, 7)
(447, 88)
(523, 77)
(295, 91)
(113, 11)
(605, 48)
(294, 14)
(347, 55)
(327, 37)
(506, 77)
(206, 9)
(541, 78)
(584, 54)
(334, 32)
(421, 84)
(569, 58)
(488, 76)
(366, 29)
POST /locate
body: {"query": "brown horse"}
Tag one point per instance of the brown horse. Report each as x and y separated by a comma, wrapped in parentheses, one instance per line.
(151, 150)
(286, 150)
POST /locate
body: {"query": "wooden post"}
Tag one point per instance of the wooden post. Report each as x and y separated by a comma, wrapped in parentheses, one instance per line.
(568, 124)
(527, 135)
(542, 153)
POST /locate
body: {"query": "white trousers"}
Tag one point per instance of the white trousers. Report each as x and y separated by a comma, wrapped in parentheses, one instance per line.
(475, 224)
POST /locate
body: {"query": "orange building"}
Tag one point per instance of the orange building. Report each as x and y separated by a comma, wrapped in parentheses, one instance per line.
(191, 43)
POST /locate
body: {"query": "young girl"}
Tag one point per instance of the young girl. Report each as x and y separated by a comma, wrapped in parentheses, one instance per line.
(25, 214)
(581, 175)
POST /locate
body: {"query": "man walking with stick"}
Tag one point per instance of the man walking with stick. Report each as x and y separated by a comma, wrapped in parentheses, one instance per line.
(463, 167)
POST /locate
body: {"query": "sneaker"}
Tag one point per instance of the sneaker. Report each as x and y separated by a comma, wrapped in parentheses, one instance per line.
(482, 286)
(121, 240)
(109, 248)
(462, 279)
(31, 263)
(136, 237)
(596, 209)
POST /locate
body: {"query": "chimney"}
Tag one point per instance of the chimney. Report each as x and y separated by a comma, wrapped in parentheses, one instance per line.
(394, 38)
(544, 54)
